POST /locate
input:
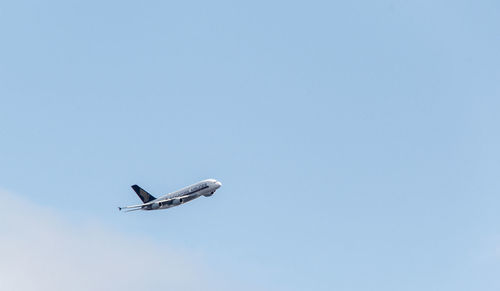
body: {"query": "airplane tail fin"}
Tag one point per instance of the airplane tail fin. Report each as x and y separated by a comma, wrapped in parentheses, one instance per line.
(145, 196)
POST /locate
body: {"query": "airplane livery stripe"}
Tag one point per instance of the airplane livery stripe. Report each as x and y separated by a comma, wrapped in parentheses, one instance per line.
(191, 192)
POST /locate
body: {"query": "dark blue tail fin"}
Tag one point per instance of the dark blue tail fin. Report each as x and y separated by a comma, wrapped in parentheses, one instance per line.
(145, 196)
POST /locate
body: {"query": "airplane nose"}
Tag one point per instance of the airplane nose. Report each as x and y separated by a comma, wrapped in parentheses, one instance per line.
(218, 184)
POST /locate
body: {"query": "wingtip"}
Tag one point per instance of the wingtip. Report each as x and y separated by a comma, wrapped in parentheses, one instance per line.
(119, 208)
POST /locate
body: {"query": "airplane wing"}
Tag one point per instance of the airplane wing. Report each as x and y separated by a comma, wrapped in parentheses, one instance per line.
(139, 206)
(170, 199)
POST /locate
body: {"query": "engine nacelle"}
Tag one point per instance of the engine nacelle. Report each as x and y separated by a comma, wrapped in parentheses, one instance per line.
(176, 201)
(155, 205)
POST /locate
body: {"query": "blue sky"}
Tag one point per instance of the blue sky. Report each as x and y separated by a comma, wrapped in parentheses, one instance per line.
(357, 143)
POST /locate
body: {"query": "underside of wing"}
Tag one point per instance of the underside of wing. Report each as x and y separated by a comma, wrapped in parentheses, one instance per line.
(173, 198)
(145, 205)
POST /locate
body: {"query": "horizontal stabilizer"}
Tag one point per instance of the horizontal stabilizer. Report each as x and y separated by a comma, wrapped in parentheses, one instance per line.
(132, 210)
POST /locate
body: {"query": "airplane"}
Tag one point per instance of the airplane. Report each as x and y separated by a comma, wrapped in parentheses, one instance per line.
(203, 188)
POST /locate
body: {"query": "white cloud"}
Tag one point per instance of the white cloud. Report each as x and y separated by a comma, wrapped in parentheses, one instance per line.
(41, 251)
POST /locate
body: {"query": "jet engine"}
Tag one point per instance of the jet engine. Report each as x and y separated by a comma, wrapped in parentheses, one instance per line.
(155, 205)
(176, 201)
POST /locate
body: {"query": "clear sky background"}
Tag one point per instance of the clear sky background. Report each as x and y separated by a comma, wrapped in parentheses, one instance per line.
(358, 143)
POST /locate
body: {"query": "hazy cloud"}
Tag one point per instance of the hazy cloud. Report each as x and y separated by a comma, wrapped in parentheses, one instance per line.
(39, 250)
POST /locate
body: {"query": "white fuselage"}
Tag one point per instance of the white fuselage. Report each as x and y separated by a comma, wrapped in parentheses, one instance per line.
(203, 188)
